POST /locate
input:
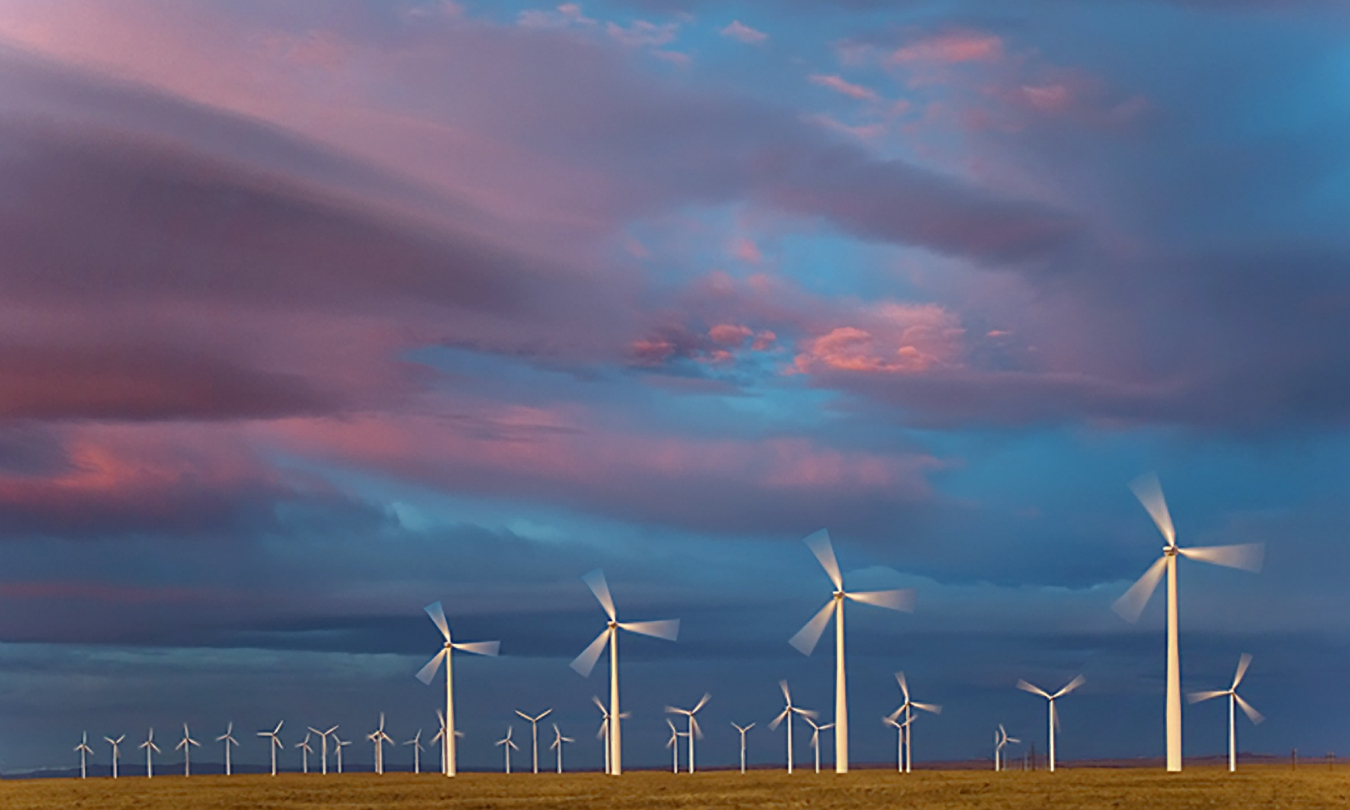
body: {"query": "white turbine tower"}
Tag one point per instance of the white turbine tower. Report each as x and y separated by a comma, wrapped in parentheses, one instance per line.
(437, 614)
(150, 748)
(674, 745)
(891, 720)
(84, 751)
(534, 732)
(186, 744)
(305, 751)
(416, 743)
(507, 746)
(1234, 700)
(742, 730)
(1054, 716)
(906, 709)
(788, 711)
(815, 738)
(808, 636)
(338, 745)
(603, 733)
(274, 742)
(323, 745)
(379, 738)
(1247, 557)
(116, 751)
(228, 739)
(1001, 741)
(558, 740)
(693, 730)
(667, 629)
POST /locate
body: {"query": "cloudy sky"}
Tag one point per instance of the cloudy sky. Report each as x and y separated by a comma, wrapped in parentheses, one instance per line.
(313, 313)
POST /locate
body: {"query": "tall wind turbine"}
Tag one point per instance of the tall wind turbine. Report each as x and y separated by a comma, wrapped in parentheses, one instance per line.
(892, 721)
(906, 709)
(507, 746)
(228, 739)
(305, 751)
(667, 629)
(323, 746)
(186, 744)
(558, 740)
(1001, 741)
(274, 742)
(379, 738)
(437, 614)
(150, 748)
(815, 738)
(742, 730)
(416, 743)
(1234, 700)
(116, 752)
(788, 711)
(674, 745)
(84, 751)
(338, 745)
(694, 730)
(534, 732)
(1247, 556)
(808, 636)
(1054, 716)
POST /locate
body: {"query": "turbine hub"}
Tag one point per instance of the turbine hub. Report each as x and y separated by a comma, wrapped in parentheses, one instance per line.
(1169, 551)
(838, 595)
(613, 624)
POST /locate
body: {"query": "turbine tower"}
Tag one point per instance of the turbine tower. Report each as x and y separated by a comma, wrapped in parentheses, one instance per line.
(116, 752)
(1054, 716)
(84, 751)
(323, 746)
(815, 738)
(667, 629)
(787, 714)
(899, 727)
(558, 740)
(305, 751)
(416, 743)
(674, 745)
(150, 748)
(437, 614)
(603, 733)
(905, 709)
(186, 744)
(338, 745)
(1247, 557)
(507, 746)
(742, 730)
(228, 739)
(808, 636)
(1234, 701)
(694, 730)
(274, 742)
(379, 738)
(534, 732)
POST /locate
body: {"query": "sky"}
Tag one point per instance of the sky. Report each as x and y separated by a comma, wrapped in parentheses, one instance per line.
(314, 313)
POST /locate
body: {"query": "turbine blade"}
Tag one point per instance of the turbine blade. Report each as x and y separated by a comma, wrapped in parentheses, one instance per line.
(810, 714)
(479, 647)
(585, 662)
(597, 702)
(904, 685)
(596, 581)
(437, 614)
(1252, 713)
(786, 694)
(899, 599)
(668, 629)
(427, 672)
(1078, 681)
(1149, 492)
(1196, 697)
(806, 639)
(1132, 602)
(703, 701)
(1243, 662)
(931, 708)
(774, 723)
(1246, 556)
(1033, 689)
(819, 543)
(698, 730)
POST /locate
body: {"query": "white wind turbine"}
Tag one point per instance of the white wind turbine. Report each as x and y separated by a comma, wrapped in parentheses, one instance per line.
(788, 711)
(305, 751)
(694, 730)
(338, 745)
(667, 629)
(674, 745)
(808, 636)
(274, 742)
(891, 720)
(534, 732)
(906, 709)
(379, 738)
(323, 746)
(742, 730)
(815, 738)
(1054, 716)
(1247, 556)
(437, 614)
(603, 733)
(228, 739)
(1234, 700)
(116, 752)
(416, 743)
(150, 748)
(507, 746)
(558, 740)
(84, 751)
(186, 744)
(1001, 741)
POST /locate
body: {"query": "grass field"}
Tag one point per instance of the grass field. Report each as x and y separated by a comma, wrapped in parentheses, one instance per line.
(1256, 787)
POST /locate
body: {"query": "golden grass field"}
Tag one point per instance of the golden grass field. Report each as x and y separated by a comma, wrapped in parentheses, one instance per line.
(1068, 789)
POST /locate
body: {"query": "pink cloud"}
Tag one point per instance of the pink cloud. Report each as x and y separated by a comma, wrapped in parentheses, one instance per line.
(840, 85)
(744, 33)
(746, 250)
(894, 338)
(730, 334)
(951, 48)
(641, 33)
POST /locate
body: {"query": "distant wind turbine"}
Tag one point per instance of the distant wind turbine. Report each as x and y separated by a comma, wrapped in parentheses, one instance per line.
(1054, 716)
(416, 743)
(379, 738)
(603, 733)
(84, 751)
(674, 745)
(693, 730)
(1234, 700)
(228, 739)
(558, 740)
(667, 629)
(116, 752)
(186, 744)
(807, 638)
(534, 732)
(905, 709)
(787, 714)
(338, 745)
(1248, 557)
(323, 746)
(1001, 741)
(274, 742)
(448, 742)
(305, 751)
(742, 730)
(815, 738)
(150, 747)
(507, 747)
(900, 728)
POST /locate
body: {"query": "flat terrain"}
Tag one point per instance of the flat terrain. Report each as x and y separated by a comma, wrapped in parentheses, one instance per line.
(1256, 787)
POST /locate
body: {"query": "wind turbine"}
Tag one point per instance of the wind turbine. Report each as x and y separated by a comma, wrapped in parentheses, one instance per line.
(905, 709)
(186, 744)
(416, 743)
(667, 629)
(1234, 700)
(534, 732)
(1001, 740)
(338, 745)
(558, 740)
(305, 751)
(507, 745)
(116, 752)
(437, 614)
(603, 733)
(900, 728)
(84, 750)
(228, 739)
(379, 738)
(806, 638)
(694, 730)
(815, 738)
(150, 747)
(742, 730)
(674, 745)
(323, 746)
(1054, 716)
(275, 742)
(1247, 556)
(787, 714)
